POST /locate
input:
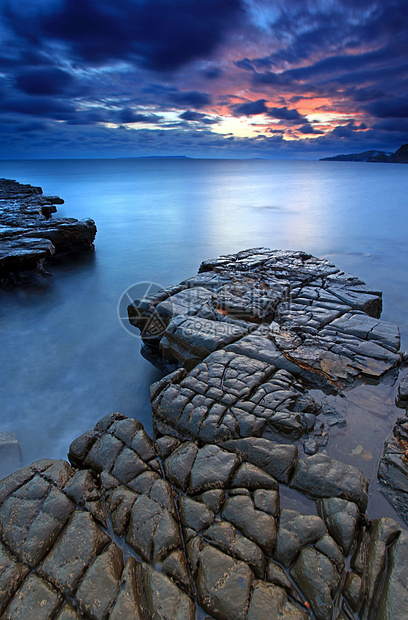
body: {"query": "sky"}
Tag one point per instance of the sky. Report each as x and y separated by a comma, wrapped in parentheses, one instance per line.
(281, 79)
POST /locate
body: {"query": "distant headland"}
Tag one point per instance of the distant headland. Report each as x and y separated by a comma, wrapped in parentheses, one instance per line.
(399, 157)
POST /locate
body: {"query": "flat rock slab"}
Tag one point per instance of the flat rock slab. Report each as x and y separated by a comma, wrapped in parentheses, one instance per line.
(228, 396)
(250, 334)
(28, 233)
(134, 528)
(288, 309)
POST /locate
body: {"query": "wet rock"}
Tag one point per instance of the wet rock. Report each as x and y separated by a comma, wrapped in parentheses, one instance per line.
(127, 604)
(327, 545)
(382, 533)
(296, 530)
(81, 488)
(228, 396)
(35, 599)
(32, 518)
(213, 468)
(195, 515)
(341, 518)
(153, 531)
(328, 331)
(226, 537)
(402, 397)
(12, 574)
(206, 534)
(393, 469)
(164, 599)
(192, 339)
(120, 503)
(214, 499)
(252, 478)
(394, 598)
(271, 601)
(101, 583)
(175, 566)
(318, 579)
(166, 445)
(266, 500)
(29, 235)
(223, 584)
(353, 591)
(278, 460)
(178, 466)
(253, 523)
(321, 476)
(73, 552)
(276, 575)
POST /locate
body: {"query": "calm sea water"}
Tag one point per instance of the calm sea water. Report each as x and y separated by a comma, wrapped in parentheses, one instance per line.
(65, 358)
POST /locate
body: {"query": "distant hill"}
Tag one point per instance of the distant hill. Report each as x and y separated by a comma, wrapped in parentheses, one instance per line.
(399, 157)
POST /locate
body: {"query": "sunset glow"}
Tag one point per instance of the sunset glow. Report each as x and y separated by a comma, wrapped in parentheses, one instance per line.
(240, 78)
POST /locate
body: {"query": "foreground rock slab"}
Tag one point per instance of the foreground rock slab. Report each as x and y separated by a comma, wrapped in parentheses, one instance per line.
(136, 528)
(29, 235)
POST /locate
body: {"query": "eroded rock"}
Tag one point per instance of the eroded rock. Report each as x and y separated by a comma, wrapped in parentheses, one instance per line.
(210, 535)
(29, 235)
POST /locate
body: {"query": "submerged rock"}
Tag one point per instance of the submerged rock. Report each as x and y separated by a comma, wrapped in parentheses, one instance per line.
(29, 236)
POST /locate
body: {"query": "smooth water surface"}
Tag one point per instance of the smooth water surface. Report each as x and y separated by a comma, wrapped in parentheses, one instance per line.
(65, 358)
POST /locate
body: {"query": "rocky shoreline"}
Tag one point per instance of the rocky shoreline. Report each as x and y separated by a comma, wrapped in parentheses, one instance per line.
(29, 234)
(191, 524)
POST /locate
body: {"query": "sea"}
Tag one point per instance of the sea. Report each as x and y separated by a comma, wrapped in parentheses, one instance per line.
(68, 355)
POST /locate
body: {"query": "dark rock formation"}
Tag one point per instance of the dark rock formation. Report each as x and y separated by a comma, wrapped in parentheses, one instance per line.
(393, 467)
(249, 334)
(399, 157)
(29, 235)
(140, 529)
(190, 525)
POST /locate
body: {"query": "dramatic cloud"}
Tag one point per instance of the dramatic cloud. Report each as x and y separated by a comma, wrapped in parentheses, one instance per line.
(160, 34)
(253, 107)
(44, 81)
(232, 78)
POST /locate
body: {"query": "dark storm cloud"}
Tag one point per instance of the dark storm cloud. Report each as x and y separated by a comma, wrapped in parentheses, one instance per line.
(161, 34)
(191, 115)
(170, 96)
(346, 131)
(390, 108)
(251, 108)
(43, 81)
(212, 73)
(393, 124)
(39, 106)
(307, 128)
(244, 63)
(192, 98)
(128, 115)
(286, 114)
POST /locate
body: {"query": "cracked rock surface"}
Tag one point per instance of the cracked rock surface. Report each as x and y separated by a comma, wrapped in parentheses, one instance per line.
(192, 524)
(136, 528)
(393, 467)
(250, 335)
(29, 235)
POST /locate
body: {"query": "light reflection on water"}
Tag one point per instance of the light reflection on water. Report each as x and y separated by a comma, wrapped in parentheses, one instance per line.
(66, 361)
